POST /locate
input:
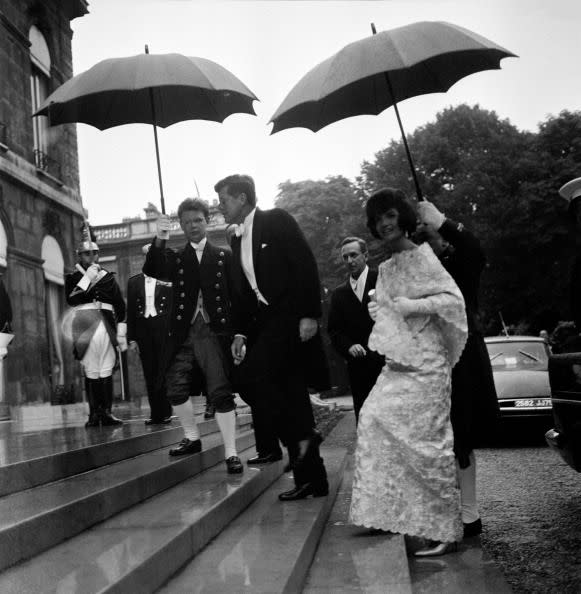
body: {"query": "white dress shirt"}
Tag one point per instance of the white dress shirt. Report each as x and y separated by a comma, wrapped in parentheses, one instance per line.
(246, 256)
(358, 284)
(199, 249)
(150, 310)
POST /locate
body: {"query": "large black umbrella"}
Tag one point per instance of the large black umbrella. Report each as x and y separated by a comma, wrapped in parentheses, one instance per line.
(370, 75)
(149, 89)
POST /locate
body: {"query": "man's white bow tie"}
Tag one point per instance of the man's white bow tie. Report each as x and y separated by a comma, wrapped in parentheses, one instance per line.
(239, 231)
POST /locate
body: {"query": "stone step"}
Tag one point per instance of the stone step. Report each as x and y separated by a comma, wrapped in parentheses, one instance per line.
(351, 559)
(268, 548)
(140, 548)
(34, 520)
(47, 456)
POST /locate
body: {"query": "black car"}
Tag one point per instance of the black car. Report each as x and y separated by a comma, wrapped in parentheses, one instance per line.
(565, 378)
(521, 377)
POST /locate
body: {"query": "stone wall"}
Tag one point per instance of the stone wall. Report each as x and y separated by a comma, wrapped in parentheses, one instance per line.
(34, 202)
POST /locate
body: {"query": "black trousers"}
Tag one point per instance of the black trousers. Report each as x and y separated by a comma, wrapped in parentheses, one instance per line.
(271, 379)
(150, 336)
(363, 373)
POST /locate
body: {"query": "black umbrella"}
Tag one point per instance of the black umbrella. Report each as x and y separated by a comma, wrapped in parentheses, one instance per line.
(370, 75)
(149, 89)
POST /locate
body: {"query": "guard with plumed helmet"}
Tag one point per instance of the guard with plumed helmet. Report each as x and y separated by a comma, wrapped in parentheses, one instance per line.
(98, 327)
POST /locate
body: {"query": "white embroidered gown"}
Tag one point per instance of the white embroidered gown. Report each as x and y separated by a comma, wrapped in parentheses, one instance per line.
(405, 473)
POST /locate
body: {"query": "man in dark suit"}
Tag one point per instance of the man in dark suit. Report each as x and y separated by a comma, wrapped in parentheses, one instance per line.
(349, 324)
(148, 306)
(276, 303)
(200, 326)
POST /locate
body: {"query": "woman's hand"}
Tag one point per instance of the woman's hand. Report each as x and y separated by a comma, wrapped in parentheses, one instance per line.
(373, 308)
(405, 306)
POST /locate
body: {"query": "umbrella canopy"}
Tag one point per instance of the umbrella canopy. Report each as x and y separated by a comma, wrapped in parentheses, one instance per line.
(157, 89)
(121, 90)
(416, 59)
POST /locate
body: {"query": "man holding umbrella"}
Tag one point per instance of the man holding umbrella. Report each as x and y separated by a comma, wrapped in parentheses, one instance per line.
(199, 327)
(275, 306)
(474, 410)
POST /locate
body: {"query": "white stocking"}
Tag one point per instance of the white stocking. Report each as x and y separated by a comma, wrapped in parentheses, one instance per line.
(467, 482)
(227, 423)
(185, 412)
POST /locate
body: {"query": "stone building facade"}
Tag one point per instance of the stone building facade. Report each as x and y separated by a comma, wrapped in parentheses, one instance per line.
(40, 203)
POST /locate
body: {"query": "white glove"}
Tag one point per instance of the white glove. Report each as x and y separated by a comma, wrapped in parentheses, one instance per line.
(373, 308)
(430, 215)
(163, 226)
(408, 307)
(122, 335)
(92, 272)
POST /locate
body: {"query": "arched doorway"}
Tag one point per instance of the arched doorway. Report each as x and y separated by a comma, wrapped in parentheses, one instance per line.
(54, 280)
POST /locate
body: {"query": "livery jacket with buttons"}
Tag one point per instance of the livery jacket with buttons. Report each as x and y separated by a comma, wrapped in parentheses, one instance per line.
(85, 321)
(136, 301)
(212, 275)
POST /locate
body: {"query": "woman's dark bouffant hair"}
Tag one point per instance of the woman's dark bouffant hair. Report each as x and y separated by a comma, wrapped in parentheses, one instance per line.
(381, 201)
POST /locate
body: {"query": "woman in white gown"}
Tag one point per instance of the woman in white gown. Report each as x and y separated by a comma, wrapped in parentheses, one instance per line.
(405, 474)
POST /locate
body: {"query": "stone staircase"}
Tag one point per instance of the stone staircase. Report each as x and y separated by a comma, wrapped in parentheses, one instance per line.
(108, 510)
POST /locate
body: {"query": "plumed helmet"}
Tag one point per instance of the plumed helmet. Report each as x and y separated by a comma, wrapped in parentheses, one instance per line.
(88, 243)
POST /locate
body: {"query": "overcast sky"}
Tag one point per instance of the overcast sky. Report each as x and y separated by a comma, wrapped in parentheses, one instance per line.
(270, 45)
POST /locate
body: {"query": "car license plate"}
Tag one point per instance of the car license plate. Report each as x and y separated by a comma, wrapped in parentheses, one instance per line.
(529, 402)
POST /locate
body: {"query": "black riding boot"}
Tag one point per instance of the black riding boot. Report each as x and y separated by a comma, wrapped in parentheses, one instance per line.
(106, 394)
(90, 386)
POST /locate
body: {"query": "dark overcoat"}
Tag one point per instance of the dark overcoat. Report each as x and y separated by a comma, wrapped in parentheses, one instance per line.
(475, 410)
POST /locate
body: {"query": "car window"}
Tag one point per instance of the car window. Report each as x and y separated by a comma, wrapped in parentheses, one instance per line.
(518, 355)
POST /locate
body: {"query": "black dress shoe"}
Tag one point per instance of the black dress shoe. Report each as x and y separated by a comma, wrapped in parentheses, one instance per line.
(165, 421)
(264, 459)
(303, 491)
(186, 446)
(473, 528)
(234, 465)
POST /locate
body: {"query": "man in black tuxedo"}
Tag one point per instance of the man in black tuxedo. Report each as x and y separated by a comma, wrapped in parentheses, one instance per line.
(349, 324)
(148, 306)
(200, 325)
(275, 304)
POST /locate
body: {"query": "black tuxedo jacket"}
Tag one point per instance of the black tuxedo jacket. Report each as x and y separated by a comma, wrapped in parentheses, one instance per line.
(213, 275)
(285, 268)
(287, 276)
(349, 322)
(136, 301)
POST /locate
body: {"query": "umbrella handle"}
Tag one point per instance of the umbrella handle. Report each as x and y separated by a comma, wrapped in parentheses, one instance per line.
(156, 143)
(419, 194)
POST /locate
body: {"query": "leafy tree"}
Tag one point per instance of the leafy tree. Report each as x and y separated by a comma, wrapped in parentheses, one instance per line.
(326, 211)
(502, 183)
